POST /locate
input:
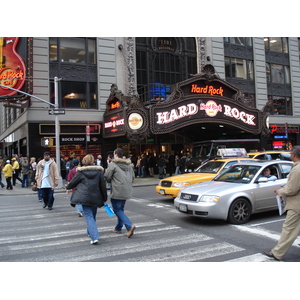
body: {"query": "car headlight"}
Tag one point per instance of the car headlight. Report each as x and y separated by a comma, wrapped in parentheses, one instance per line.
(181, 184)
(209, 198)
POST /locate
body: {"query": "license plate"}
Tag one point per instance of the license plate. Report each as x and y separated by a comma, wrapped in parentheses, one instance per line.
(162, 192)
(183, 207)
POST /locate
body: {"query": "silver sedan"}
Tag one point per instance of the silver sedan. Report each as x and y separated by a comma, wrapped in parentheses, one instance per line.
(237, 193)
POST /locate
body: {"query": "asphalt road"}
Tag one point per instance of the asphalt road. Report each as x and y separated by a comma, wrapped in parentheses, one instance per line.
(30, 233)
(164, 237)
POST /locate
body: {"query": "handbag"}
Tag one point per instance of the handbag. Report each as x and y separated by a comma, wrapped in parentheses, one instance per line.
(34, 188)
(109, 210)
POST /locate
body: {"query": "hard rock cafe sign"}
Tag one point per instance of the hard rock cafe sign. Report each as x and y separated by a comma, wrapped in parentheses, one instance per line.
(205, 98)
(12, 67)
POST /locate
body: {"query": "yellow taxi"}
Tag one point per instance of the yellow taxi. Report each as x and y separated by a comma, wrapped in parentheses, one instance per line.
(170, 186)
(271, 155)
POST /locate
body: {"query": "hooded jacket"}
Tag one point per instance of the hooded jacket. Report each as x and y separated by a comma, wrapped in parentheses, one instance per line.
(90, 186)
(120, 173)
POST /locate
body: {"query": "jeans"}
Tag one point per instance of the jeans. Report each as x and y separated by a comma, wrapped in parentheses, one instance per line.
(79, 208)
(47, 195)
(1, 183)
(25, 180)
(118, 207)
(90, 213)
(177, 171)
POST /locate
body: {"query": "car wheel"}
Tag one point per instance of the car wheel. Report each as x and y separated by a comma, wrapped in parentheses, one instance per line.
(239, 211)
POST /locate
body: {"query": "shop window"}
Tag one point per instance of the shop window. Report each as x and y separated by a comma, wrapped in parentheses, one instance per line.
(76, 95)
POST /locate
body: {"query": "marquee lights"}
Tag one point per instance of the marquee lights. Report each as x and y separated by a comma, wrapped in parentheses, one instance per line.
(208, 89)
(211, 109)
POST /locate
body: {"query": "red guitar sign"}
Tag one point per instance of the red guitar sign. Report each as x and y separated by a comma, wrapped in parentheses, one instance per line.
(12, 67)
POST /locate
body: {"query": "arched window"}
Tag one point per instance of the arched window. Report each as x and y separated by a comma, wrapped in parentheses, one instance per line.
(162, 62)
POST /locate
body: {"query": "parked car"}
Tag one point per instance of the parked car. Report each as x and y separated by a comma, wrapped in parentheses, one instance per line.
(171, 186)
(236, 193)
(269, 155)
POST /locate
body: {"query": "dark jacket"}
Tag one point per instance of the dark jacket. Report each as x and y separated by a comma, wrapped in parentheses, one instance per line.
(120, 173)
(90, 186)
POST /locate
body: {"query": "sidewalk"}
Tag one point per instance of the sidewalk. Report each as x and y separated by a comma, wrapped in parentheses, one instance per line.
(18, 190)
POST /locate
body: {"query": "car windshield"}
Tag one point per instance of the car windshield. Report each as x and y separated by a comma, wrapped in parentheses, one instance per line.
(210, 167)
(238, 174)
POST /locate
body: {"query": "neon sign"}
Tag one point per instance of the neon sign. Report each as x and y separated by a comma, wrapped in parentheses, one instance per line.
(114, 125)
(208, 89)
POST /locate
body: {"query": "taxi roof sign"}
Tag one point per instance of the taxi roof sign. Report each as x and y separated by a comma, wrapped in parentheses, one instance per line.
(232, 152)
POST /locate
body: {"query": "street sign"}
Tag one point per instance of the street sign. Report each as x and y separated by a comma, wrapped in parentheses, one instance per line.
(57, 111)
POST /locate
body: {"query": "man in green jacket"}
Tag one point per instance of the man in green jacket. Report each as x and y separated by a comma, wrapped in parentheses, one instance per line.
(291, 192)
(120, 174)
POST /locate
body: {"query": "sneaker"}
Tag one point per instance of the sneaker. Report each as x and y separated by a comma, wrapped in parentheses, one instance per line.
(130, 232)
(50, 208)
(95, 242)
(80, 214)
(116, 231)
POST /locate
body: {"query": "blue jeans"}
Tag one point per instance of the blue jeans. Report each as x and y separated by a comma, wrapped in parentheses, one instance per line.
(90, 213)
(79, 208)
(47, 195)
(118, 207)
(25, 180)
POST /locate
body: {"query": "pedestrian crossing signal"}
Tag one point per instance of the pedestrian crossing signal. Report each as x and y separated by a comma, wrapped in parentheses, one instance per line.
(47, 142)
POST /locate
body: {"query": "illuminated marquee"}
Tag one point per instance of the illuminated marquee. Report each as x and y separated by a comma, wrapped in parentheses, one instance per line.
(183, 114)
(114, 125)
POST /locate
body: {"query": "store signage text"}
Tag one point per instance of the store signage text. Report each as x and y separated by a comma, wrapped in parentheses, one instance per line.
(211, 109)
(208, 89)
(277, 129)
(114, 125)
(73, 139)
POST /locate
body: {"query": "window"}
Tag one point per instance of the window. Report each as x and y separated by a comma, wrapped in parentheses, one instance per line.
(73, 50)
(243, 41)
(239, 68)
(278, 73)
(281, 105)
(162, 62)
(78, 86)
(276, 44)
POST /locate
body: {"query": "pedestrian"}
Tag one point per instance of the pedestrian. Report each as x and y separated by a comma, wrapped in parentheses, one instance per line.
(291, 225)
(161, 165)
(177, 165)
(16, 170)
(90, 193)
(47, 179)
(32, 167)
(98, 161)
(8, 173)
(71, 175)
(25, 172)
(1, 167)
(109, 159)
(120, 173)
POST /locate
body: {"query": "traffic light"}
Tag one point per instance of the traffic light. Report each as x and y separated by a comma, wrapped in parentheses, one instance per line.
(47, 142)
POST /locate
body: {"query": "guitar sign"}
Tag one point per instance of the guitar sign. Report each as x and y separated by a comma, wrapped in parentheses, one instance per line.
(12, 67)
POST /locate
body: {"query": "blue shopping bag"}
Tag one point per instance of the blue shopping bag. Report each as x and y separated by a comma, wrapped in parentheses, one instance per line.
(109, 210)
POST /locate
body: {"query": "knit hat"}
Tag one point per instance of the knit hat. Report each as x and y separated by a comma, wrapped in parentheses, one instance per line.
(14, 158)
(76, 162)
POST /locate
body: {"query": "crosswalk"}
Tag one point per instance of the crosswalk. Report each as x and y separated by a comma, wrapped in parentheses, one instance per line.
(32, 234)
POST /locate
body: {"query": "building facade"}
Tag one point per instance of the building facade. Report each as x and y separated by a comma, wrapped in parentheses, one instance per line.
(141, 76)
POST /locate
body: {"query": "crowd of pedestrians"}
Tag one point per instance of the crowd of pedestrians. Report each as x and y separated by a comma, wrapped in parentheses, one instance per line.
(17, 169)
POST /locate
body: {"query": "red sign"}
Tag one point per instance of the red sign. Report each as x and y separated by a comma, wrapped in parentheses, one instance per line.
(283, 129)
(12, 67)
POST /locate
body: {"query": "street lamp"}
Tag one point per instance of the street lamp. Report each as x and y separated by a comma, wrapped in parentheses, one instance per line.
(57, 128)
